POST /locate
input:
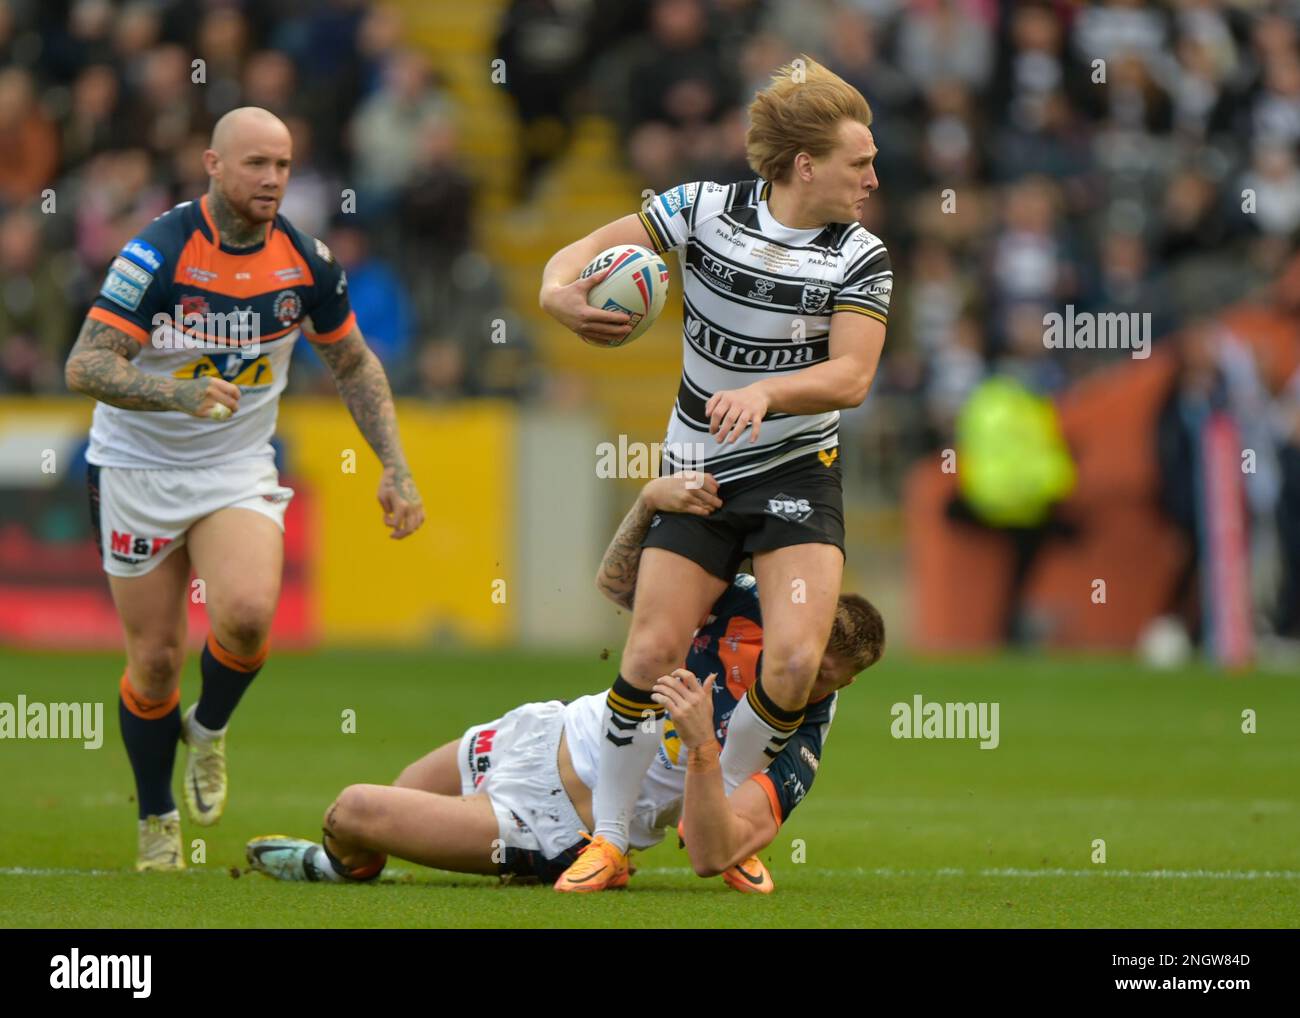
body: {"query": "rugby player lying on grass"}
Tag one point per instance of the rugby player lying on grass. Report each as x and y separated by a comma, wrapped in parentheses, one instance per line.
(514, 796)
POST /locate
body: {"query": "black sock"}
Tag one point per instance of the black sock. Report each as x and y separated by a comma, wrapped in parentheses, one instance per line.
(225, 677)
(150, 730)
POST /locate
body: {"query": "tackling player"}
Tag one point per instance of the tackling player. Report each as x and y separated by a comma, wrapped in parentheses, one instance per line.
(187, 350)
(785, 301)
(512, 796)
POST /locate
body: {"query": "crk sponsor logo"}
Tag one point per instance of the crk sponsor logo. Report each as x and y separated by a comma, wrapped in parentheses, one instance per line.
(82, 722)
(792, 510)
(125, 548)
(74, 971)
(199, 275)
(293, 272)
(762, 290)
(722, 273)
(814, 298)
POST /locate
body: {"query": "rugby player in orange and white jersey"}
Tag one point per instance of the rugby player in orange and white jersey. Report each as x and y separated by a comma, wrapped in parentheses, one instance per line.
(187, 350)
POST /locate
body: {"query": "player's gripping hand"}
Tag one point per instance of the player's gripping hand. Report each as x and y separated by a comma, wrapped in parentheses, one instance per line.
(690, 491)
(208, 397)
(568, 306)
(403, 508)
(733, 410)
(690, 703)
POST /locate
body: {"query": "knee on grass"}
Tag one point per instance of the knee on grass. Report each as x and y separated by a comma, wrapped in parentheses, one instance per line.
(348, 823)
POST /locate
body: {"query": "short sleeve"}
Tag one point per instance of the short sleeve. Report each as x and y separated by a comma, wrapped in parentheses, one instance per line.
(327, 305)
(670, 217)
(138, 283)
(868, 282)
(790, 776)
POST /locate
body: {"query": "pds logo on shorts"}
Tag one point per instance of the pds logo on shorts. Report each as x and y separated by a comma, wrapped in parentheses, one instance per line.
(792, 510)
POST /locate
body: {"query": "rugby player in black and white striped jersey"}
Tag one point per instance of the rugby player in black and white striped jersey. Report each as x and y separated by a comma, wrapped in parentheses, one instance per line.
(786, 299)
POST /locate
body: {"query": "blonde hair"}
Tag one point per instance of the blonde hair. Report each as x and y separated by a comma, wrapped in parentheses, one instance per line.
(799, 112)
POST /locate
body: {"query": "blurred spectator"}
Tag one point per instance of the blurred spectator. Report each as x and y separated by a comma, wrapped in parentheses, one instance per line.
(35, 317)
(95, 121)
(1029, 261)
(29, 143)
(386, 131)
(116, 196)
(947, 41)
(375, 292)
(675, 85)
(314, 195)
(544, 46)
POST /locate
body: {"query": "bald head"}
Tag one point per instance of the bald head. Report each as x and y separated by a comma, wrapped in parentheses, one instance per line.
(246, 125)
(248, 163)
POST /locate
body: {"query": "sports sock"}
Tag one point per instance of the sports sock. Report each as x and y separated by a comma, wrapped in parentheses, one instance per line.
(150, 730)
(325, 865)
(625, 755)
(225, 677)
(756, 734)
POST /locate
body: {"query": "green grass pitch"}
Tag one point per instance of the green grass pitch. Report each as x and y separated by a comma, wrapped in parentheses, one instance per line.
(1201, 821)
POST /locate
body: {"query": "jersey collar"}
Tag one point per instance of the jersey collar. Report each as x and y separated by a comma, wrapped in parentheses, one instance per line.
(216, 235)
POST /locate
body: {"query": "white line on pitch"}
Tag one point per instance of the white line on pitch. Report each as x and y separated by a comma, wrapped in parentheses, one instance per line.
(853, 871)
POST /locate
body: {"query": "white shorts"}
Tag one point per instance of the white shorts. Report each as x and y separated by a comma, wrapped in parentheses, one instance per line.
(142, 516)
(514, 761)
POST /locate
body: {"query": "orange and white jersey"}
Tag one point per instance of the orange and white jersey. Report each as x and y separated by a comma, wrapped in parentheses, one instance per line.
(201, 309)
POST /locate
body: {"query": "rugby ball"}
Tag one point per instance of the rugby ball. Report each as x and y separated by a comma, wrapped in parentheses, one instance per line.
(633, 280)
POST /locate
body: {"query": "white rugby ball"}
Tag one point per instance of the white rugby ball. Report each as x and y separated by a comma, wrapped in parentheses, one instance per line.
(634, 280)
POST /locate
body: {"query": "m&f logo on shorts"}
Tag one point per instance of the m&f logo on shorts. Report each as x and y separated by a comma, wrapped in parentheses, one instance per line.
(814, 298)
(126, 548)
(792, 510)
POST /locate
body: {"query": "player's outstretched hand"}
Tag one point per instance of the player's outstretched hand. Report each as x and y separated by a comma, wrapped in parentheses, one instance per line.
(568, 306)
(733, 410)
(690, 703)
(403, 508)
(208, 397)
(690, 491)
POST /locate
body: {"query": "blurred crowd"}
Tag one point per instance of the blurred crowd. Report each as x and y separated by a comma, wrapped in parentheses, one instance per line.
(106, 109)
(1117, 156)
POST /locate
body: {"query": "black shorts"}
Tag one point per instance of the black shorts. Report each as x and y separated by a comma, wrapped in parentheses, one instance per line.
(800, 502)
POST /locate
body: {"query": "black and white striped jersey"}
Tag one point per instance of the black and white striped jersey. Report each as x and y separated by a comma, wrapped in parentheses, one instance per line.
(757, 301)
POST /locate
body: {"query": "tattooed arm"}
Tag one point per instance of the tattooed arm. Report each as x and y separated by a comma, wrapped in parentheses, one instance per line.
(364, 388)
(100, 367)
(688, 492)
